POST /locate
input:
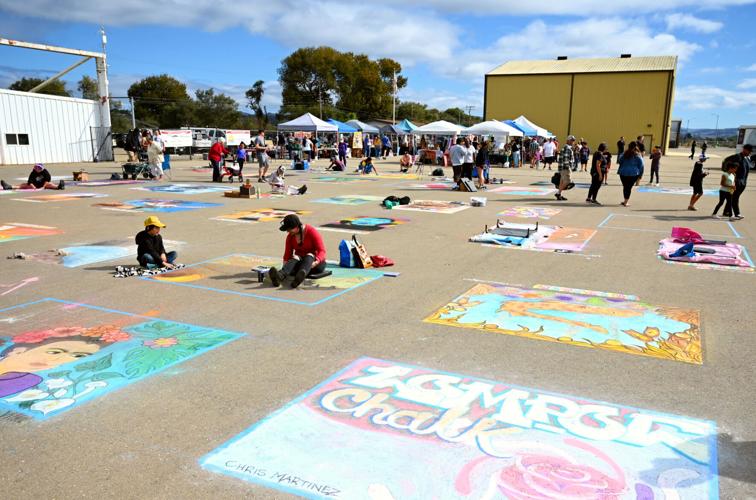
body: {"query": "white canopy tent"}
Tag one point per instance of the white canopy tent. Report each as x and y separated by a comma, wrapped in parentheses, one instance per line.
(542, 132)
(363, 127)
(308, 123)
(492, 127)
(441, 127)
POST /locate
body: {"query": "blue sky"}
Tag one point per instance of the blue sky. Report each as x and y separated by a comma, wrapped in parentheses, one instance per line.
(445, 46)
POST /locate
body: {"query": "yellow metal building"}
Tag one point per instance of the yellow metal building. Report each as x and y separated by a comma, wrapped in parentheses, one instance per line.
(597, 99)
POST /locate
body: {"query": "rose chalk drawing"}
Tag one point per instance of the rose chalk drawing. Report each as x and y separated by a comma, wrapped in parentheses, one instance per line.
(578, 317)
(57, 355)
(13, 231)
(384, 430)
(232, 274)
(530, 212)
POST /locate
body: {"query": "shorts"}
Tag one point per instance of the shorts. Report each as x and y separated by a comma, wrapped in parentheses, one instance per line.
(263, 160)
(698, 188)
(550, 159)
(564, 179)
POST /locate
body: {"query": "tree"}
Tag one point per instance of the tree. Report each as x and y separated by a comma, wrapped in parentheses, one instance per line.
(162, 101)
(88, 88)
(254, 97)
(215, 110)
(341, 84)
(56, 87)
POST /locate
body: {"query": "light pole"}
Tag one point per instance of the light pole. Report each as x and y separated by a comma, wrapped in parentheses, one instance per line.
(716, 131)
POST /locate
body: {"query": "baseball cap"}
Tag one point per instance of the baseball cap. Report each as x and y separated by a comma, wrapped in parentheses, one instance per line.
(290, 222)
(153, 221)
(38, 167)
(570, 137)
(702, 157)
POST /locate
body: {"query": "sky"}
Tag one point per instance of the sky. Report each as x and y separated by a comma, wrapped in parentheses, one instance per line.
(445, 47)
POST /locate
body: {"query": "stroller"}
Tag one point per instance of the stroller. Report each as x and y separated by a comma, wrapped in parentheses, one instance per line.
(134, 170)
(231, 171)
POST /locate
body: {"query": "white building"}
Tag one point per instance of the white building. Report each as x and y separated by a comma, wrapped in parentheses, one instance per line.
(39, 128)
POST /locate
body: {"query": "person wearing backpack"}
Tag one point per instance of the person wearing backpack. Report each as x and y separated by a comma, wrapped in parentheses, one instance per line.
(585, 155)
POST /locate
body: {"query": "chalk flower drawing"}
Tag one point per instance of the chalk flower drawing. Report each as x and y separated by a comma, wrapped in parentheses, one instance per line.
(161, 342)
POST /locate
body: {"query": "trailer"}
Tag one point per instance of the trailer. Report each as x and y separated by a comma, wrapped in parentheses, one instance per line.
(177, 141)
(203, 138)
(746, 135)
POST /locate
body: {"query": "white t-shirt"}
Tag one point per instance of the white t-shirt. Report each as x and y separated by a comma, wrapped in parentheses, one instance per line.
(469, 154)
(457, 154)
(548, 149)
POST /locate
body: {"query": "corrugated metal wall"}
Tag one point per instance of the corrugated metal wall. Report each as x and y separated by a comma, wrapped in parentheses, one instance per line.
(604, 106)
(543, 99)
(59, 128)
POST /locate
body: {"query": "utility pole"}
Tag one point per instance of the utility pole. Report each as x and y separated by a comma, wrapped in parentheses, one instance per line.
(320, 102)
(716, 131)
(469, 112)
(133, 114)
(393, 109)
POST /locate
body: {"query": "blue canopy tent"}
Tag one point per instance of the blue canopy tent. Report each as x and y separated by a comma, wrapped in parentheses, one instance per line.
(406, 125)
(343, 127)
(530, 132)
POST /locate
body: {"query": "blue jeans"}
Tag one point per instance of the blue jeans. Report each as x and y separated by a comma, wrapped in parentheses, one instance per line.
(516, 159)
(151, 264)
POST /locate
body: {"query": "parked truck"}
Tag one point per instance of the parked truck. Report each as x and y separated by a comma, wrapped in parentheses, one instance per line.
(746, 135)
(203, 138)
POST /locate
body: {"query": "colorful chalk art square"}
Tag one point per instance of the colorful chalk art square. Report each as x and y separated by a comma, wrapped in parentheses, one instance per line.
(13, 231)
(155, 205)
(260, 215)
(363, 225)
(544, 213)
(48, 198)
(584, 318)
(523, 190)
(383, 430)
(184, 188)
(434, 206)
(356, 199)
(56, 355)
(233, 275)
(101, 251)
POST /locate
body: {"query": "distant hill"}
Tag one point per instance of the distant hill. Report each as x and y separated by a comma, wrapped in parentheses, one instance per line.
(710, 132)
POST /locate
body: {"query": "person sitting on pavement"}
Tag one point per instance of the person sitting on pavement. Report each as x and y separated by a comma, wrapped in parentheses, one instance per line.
(150, 250)
(277, 181)
(337, 164)
(366, 166)
(406, 162)
(304, 252)
(39, 178)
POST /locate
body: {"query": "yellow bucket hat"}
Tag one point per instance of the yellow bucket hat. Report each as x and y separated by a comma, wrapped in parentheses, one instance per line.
(153, 221)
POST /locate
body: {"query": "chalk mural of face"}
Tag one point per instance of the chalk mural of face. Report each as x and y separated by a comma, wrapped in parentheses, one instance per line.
(46, 356)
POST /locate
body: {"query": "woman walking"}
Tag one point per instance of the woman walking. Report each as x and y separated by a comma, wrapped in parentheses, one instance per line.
(481, 159)
(630, 170)
(598, 172)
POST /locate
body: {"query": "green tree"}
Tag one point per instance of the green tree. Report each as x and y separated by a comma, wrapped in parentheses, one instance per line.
(87, 86)
(308, 78)
(216, 110)
(56, 87)
(162, 101)
(254, 97)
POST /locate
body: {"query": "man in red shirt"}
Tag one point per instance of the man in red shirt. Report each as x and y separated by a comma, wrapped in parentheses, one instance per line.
(304, 253)
(217, 152)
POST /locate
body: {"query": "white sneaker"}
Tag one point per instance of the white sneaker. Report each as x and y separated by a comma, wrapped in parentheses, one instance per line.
(738, 217)
(715, 216)
(657, 184)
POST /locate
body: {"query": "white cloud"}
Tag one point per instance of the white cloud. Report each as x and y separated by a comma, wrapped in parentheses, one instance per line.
(444, 99)
(692, 23)
(708, 97)
(749, 83)
(752, 67)
(713, 69)
(595, 37)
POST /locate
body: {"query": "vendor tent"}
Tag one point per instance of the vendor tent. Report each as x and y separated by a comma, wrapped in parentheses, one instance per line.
(363, 126)
(393, 129)
(525, 123)
(530, 132)
(343, 127)
(441, 127)
(406, 125)
(492, 127)
(308, 123)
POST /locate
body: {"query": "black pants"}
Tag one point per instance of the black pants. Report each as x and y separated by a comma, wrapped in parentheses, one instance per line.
(241, 166)
(627, 184)
(654, 170)
(342, 157)
(457, 169)
(292, 266)
(467, 170)
(736, 198)
(216, 170)
(725, 197)
(595, 186)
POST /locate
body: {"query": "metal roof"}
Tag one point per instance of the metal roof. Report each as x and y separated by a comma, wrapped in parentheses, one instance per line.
(600, 65)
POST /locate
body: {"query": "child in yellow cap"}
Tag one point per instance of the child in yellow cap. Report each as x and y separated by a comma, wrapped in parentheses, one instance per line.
(150, 250)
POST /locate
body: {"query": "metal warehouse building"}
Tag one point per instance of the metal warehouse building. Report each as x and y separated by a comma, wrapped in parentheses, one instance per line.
(597, 99)
(51, 129)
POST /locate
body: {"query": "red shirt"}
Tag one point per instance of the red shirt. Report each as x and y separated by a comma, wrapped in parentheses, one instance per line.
(217, 151)
(312, 243)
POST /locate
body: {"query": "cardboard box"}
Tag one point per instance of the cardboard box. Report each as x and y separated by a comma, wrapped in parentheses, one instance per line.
(81, 175)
